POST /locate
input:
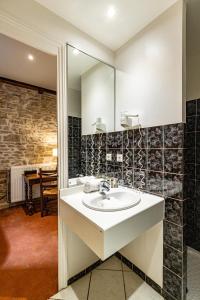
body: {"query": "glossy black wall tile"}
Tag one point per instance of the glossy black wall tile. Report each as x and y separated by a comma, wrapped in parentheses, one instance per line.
(174, 136)
(155, 160)
(174, 260)
(128, 138)
(140, 158)
(191, 124)
(155, 182)
(167, 296)
(192, 169)
(175, 211)
(155, 137)
(191, 108)
(173, 284)
(74, 147)
(140, 179)
(128, 177)
(158, 168)
(128, 156)
(115, 140)
(173, 235)
(140, 141)
(174, 161)
(173, 185)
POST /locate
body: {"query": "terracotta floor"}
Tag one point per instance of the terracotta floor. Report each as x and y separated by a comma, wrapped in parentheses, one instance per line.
(28, 255)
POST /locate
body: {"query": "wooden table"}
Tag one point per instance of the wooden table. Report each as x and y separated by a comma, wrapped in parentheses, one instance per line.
(29, 181)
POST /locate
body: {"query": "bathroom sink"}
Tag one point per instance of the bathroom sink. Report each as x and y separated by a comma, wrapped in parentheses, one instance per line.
(109, 225)
(117, 199)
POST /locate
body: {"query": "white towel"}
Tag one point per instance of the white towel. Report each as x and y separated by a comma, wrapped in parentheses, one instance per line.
(92, 185)
(84, 179)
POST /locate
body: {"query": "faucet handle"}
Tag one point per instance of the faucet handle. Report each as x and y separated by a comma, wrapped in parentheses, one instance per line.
(104, 185)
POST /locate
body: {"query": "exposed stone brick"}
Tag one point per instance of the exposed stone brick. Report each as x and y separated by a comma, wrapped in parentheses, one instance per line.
(28, 130)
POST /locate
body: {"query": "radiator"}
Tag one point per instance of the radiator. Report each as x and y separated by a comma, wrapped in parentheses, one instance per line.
(17, 189)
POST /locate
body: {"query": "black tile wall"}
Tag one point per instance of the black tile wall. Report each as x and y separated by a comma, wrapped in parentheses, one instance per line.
(173, 285)
(161, 156)
(174, 260)
(74, 145)
(192, 169)
(175, 211)
(158, 168)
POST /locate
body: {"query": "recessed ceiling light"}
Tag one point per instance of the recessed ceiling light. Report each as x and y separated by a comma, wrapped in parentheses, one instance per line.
(111, 12)
(76, 51)
(30, 57)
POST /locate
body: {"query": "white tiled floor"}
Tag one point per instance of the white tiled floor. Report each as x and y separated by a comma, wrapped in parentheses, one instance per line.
(110, 281)
(193, 275)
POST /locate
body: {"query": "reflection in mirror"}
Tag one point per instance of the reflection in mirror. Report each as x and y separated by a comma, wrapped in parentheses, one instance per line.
(91, 105)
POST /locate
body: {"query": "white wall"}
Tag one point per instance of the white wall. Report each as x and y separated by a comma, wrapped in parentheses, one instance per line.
(193, 77)
(150, 80)
(74, 103)
(193, 49)
(97, 97)
(151, 83)
(46, 26)
(146, 252)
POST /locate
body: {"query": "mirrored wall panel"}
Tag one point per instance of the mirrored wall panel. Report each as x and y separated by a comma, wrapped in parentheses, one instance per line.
(91, 103)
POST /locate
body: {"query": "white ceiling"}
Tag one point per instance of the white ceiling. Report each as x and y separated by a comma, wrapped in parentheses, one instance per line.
(15, 65)
(90, 16)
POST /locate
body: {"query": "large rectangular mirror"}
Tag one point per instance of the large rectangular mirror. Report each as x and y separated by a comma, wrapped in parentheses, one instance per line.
(91, 103)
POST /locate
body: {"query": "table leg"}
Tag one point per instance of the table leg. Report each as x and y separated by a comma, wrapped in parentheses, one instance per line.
(26, 196)
(30, 201)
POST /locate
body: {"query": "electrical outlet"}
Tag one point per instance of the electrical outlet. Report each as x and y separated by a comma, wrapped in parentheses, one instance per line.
(109, 157)
(119, 157)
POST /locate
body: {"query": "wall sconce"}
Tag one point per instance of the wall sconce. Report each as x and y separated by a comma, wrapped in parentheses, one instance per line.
(55, 152)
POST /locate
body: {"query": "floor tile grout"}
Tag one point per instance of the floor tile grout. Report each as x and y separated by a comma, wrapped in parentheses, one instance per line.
(123, 289)
(89, 286)
(108, 270)
(123, 282)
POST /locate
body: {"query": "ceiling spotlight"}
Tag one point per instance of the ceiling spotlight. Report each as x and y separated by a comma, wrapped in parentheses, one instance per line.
(111, 12)
(30, 57)
(76, 51)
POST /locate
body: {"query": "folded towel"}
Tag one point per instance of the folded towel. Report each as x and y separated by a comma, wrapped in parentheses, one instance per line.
(91, 185)
(84, 179)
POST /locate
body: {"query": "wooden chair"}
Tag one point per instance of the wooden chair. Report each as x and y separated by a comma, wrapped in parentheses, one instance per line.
(30, 172)
(48, 188)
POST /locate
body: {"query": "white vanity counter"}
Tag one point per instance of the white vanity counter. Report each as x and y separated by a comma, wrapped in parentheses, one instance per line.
(107, 232)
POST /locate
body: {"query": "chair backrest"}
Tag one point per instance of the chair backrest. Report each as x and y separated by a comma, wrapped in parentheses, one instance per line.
(30, 172)
(48, 180)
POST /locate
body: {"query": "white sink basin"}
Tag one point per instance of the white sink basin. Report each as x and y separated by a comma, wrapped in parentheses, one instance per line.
(109, 226)
(117, 199)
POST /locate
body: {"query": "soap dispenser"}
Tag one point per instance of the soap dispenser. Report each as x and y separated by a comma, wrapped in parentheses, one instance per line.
(100, 126)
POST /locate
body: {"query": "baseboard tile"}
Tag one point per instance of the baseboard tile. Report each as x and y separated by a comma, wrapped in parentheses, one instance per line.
(139, 272)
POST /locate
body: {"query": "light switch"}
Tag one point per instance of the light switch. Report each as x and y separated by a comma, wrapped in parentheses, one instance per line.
(119, 157)
(109, 157)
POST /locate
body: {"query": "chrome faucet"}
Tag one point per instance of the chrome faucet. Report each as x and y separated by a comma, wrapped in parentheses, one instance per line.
(104, 187)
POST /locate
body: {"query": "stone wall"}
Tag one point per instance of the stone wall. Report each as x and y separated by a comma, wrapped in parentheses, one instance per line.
(28, 128)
